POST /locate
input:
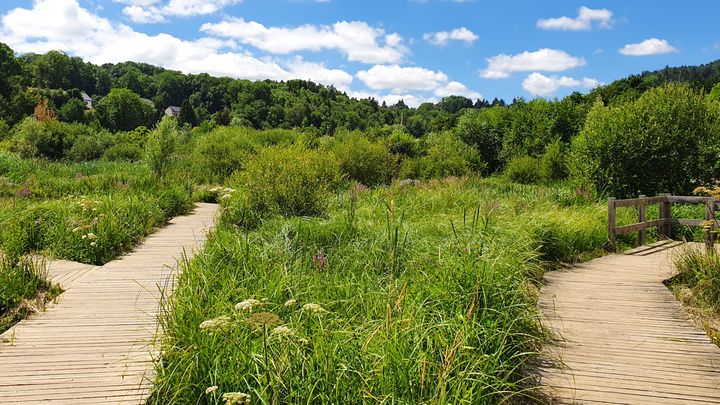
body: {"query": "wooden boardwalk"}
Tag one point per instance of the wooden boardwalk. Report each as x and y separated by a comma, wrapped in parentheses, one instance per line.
(622, 338)
(96, 345)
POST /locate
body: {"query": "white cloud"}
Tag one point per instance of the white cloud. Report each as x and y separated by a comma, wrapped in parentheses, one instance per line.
(583, 22)
(399, 79)
(538, 84)
(149, 11)
(458, 34)
(456, 89)
(64, 25)
(196, 7)
(550, 60)
(143, 15)
(359, 41)
(652, 46)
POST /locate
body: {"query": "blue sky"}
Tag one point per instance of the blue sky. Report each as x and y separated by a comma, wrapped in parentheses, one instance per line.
(417, 50)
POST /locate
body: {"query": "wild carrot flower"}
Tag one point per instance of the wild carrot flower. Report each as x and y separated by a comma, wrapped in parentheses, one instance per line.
(314, 308)
(214, 324)
(283, 331)
(236, 398)
(247, 305)
(211, 390)
(290, 302)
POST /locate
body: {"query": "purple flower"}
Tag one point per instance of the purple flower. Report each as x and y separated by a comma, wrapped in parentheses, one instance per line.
(319, 260)
(24, 192)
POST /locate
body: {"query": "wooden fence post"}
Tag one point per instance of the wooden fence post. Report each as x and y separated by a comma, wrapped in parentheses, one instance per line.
(710, 229)
(611, 223)
(641, 219)
(665, 227)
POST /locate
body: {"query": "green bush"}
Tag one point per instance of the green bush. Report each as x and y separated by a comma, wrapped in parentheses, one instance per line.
(123, 152)
(160, 146)
(364, 161)
(661, 142)
(523, 170)
(289, 180)
(89, 146)
(552, 165)
(221, 152)
(447, 155)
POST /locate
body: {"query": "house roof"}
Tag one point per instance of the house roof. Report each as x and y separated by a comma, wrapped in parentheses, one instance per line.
(174, 109)
(85, 96)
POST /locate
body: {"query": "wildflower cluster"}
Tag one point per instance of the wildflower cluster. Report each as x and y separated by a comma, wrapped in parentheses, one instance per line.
(211, 325)
(236, 398)
(223, 193)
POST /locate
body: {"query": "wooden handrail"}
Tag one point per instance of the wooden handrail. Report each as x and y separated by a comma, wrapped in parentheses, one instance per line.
(665, 221)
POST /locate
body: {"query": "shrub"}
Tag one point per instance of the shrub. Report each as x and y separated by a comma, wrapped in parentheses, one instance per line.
(161, 145)
(364, 161)
(39, 139)
(552, 166)
(123, 152)
(221, 152)
(289, 181)
(661, 142)
(523, 170)
(447, 155)
(484, 130)
(89, 146)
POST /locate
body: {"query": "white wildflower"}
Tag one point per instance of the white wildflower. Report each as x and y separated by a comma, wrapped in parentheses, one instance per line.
(236, 398)
(225, 196)
(290, 302)
(91, 235)
(211, 390)
(247, 305)
(283, 332)
(93, 244)
(216, 323)
(314, 308)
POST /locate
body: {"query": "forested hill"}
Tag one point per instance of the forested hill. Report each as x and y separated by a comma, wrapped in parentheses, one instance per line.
(701, 77)
(128, 95)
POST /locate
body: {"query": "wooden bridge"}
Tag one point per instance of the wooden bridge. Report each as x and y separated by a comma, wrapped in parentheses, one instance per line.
(620, 335)
(96, 345)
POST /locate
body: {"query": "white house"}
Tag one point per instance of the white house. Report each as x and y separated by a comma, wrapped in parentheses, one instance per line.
(172, 111)
(87, 100)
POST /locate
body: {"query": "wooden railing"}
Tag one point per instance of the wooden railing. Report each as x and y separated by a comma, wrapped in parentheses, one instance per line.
(665, 220)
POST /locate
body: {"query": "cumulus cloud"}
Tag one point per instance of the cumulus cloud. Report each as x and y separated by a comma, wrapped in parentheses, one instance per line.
(151, 11)
(458, 34)
(538, 84)
(583, 22)
(64, 25)
(652, 46)
(143, 15)
(456, 89)
(400, 78)
(550, 60)
(356, 39)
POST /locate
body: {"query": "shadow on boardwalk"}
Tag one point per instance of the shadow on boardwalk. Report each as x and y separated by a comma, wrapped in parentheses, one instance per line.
(96, 345)
(621, 337)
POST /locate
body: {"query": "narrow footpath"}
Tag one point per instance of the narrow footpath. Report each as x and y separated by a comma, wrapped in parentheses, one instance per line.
(97, 343)
(622, 338)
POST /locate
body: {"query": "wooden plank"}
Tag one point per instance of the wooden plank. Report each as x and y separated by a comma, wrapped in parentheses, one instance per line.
(621, 337)
(97, 344)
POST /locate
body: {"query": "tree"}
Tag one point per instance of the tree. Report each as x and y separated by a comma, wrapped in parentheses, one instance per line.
(160, 146)
(73, 111)
(187, 114)
(123, 110)
(52, 70)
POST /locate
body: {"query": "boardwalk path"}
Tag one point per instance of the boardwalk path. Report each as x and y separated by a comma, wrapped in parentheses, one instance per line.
(96, 345)
(623, 336)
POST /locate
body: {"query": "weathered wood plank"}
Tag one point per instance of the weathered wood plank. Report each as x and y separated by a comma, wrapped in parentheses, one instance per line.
(97, 343)
(621, 337)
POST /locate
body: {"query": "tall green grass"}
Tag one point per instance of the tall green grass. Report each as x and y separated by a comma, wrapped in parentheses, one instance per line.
(399, 295)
